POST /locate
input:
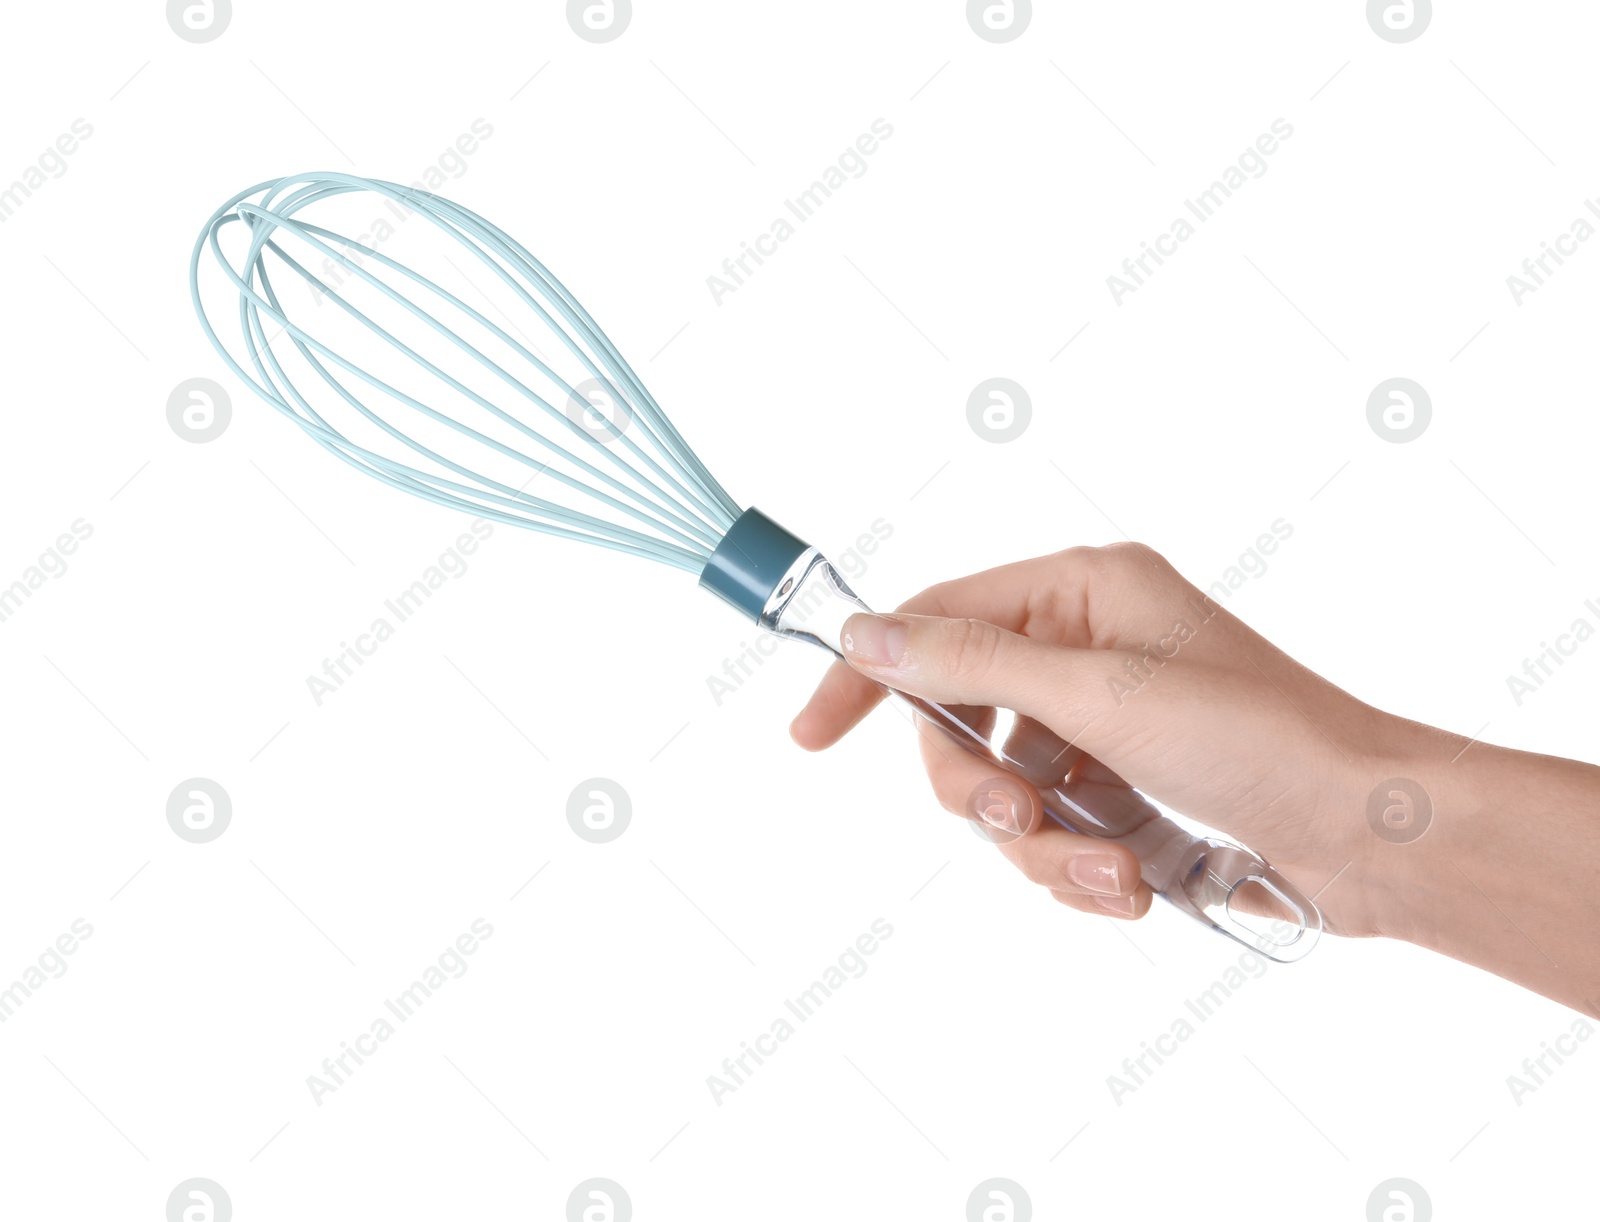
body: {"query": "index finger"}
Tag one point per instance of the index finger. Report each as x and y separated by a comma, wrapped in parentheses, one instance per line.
(1049, 593)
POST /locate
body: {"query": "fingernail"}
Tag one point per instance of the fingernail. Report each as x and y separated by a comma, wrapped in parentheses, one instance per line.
(1121, 905)
(1095, 872)
(999, 809)
(874, 640)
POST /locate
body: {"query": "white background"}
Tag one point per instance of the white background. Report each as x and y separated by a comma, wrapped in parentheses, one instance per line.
(369, 832)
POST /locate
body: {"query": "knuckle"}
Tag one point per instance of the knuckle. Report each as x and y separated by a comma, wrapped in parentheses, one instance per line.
(1081, 556)
(968, 647)
(1053, 871)
(1128, 555)
(1035, 865)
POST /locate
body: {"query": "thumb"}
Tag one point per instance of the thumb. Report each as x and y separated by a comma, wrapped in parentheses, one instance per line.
(971, 662)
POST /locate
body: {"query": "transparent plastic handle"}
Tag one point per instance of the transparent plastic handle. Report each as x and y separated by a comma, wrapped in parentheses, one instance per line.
(1219, 883)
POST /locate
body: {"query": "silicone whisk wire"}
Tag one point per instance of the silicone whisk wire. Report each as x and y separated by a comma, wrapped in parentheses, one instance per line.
(632, 485)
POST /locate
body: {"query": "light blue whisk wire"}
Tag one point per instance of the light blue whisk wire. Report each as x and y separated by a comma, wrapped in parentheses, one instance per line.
(678, 510)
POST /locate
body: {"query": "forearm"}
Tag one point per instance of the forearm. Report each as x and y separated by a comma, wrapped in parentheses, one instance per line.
(1506, 875)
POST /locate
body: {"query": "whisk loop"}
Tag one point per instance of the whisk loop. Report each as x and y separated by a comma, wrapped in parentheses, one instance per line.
(632, 485)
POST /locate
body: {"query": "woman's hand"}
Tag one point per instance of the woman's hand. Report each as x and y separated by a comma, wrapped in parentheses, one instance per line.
(1115, 652)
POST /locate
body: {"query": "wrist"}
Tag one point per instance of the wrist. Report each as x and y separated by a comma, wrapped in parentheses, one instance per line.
(1426, 831)
(1421, 808)
(1497, 877)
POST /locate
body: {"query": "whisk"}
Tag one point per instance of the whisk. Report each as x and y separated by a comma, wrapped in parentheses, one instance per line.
(439, 392)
